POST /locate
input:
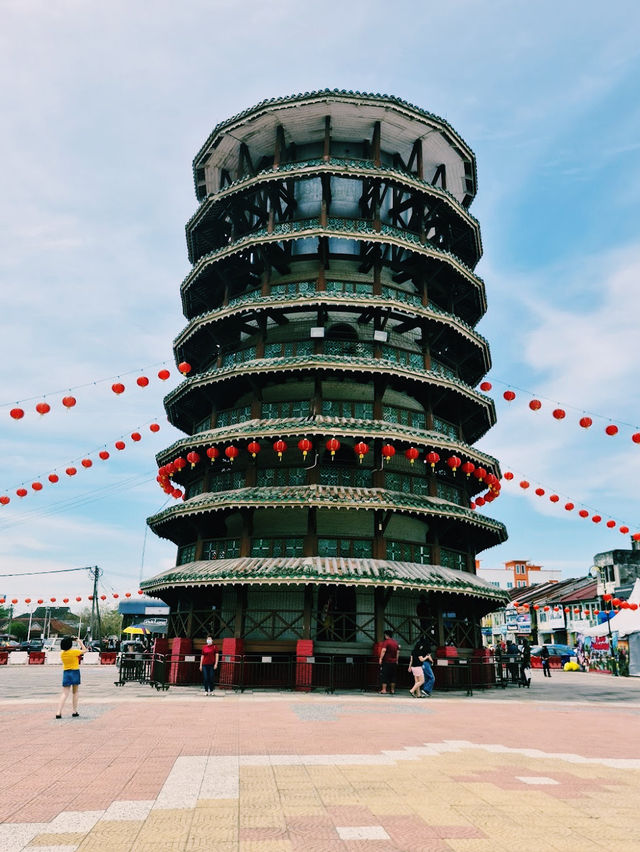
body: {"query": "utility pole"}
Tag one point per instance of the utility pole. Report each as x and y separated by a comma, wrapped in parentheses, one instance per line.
(95, 625)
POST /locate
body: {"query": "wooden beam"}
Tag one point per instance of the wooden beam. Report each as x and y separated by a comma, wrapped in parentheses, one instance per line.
(326, 150)
(375, 145)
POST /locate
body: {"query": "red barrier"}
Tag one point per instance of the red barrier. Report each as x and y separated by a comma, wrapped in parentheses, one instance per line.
(108, 658)
(36, 658)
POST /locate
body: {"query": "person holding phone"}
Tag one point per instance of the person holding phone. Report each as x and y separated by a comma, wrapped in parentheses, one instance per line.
(70, 657)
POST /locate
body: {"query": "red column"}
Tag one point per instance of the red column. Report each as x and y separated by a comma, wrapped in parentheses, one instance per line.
(230, 665)
(181, 670)
(304, 669)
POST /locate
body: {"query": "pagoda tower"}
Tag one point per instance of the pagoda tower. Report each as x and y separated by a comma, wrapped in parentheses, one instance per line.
(328, 473)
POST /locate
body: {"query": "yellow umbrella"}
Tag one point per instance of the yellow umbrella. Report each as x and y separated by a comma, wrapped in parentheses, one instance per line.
(135, 629)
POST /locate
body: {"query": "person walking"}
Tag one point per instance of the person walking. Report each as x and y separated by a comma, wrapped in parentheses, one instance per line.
(209, 665)
(388, 661)
(415, 667)
(421, 657)
(70, 657)
(526, 662)
(544, 656)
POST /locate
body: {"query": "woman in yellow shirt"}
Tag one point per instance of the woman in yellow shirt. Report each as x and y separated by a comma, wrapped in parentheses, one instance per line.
(71, 672)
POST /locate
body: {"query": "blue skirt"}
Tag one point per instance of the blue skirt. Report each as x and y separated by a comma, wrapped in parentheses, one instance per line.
(71, 677)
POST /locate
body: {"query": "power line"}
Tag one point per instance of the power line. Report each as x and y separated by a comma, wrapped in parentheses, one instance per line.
(38, 573)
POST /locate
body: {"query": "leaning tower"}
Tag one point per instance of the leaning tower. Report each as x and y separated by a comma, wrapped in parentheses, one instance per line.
(328, 478)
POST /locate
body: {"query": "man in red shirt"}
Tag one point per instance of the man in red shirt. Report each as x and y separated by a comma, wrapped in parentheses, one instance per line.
(388, 663)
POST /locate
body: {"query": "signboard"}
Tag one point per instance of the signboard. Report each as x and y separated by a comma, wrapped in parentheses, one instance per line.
(156, 610)
(517, 621)
(600, 643)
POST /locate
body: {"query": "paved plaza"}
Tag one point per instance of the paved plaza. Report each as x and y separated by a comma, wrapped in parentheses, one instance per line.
(556, 767)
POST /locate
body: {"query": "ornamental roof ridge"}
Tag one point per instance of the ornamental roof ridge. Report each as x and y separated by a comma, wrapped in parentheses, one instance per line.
(337, 165)
(327, 496)
(337, 94)
(253, 301)
(362, 229)
(313, 361)
(341, 570)
(317, 423)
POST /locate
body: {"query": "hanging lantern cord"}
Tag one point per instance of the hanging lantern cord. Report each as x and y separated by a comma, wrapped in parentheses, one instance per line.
(315, 462)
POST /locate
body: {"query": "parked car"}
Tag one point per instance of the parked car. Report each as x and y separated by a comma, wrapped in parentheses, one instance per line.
(32, 645)
(52, 644)
(9, 645)
(565, 652)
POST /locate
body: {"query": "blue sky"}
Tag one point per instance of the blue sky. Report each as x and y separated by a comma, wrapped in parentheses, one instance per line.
(104, 106)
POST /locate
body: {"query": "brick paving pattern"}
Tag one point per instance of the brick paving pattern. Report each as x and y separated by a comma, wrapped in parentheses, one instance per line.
(273, 772)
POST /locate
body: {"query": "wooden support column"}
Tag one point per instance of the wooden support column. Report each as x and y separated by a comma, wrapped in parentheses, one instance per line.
(279, 147)
(241, 611)
(310, 546)
(440, 626)
(419, 159)
(326, 151)
(307, 613)
(375, 145)
(377, 282)
(247, 532)
(379, 601)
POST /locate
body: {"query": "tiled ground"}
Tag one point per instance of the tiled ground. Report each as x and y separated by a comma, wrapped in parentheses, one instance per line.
(144, 771)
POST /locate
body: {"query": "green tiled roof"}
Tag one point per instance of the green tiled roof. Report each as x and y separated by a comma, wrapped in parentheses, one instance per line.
(327, 496)
(348, 363)
(321, 425)
(336, 166)
(353, 229)
(339, 570)
(336, 94)
(255, 301)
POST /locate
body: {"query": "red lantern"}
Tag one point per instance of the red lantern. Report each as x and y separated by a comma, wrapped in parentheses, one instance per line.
(193, 458)
(472, 505)
(611, 429)
(127, 594)
(53, 478)
(136, 436)
(65, 600)
(388, 452)
(361, 449)
(333, 445)
(184, 367)
(163, 375)
(624, 530)
(508, 476)
(412, 454)
(117, 388)
(103, 597)
(636, 437)
(524, 484)
(485, 386)
(468, 468)
(559, 413)
(37, 486)
(71, 471)
(116, 595)
(583, 513)
(305, 446)
(119, 445)
(104, 455)
(509, 395)
(535, 405)
(453, 463)
(540, 492)
(596, 519)
(567, 609)
(68, 401)
(176, 493)
(433, 458)
(569, 507)
(536, 606)
(40, 601)
(78, 599)
(554, 498)
(21, 492)
(89, 597)
(480, 501)
(142, 381)
(86, 463)
(636, 537)
(611, 524)
(154, 427)
(633, 606)
(480, 473)
(4, 500)
(16, 413)
(546, 609)
(254, 448)
(231, 452)
(213, 453)
(140, 592)
(280, 447)
(14, 600)
(53, 600)
(27, 600)
(585, 422)
(43, 408)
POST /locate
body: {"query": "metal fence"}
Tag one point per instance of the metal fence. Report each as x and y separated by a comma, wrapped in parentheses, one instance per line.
(326, 673)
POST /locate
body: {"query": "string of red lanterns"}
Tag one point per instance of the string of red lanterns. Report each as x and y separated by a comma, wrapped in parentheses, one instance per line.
(72, 470)
(569, 506)
(560, 413)
(18, 411)
(66, 600)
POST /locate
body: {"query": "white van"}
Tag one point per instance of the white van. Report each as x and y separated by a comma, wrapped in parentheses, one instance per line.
(53, 643)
